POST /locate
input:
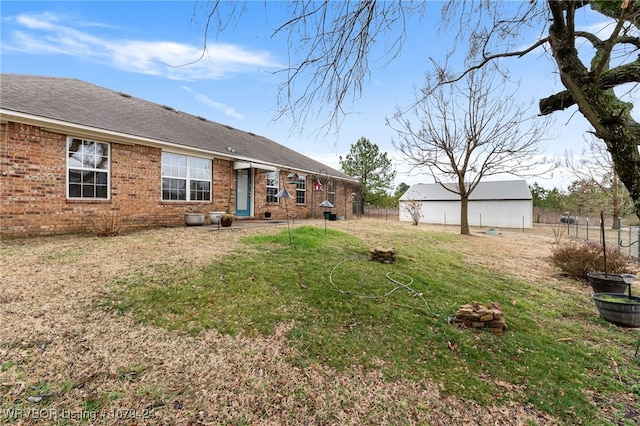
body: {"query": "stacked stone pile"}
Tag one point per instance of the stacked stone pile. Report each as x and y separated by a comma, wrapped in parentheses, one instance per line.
(383, 255)
(477, 315)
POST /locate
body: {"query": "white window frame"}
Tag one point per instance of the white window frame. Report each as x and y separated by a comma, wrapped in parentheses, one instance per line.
(271, 185)
(168, 172)
(301, 190)
(84, 166)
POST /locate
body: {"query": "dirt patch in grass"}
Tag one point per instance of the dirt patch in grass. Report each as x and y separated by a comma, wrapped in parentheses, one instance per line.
(61, 356)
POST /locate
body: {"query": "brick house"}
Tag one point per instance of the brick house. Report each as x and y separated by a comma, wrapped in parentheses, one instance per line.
(73, 152)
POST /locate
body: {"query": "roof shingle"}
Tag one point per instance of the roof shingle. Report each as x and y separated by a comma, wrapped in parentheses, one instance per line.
(84, 104)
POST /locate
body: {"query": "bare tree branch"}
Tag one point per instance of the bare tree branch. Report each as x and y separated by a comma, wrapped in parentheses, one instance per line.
(330, 43)
(467, 132)
(628, 73)
(595, 168)
(490, 58)
(336, 39)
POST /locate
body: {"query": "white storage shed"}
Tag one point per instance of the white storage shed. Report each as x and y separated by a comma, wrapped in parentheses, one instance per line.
(506, 204)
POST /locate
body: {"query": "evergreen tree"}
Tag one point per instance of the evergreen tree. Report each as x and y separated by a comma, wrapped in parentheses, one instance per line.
(372, 168)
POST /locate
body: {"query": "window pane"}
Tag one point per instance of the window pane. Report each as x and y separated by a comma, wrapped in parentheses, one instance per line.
(200, 191)
(101, 191)
(72, 145)
(174, 165)
(101, 178)
(200, 169)
(272, 187)
(88, 154)
(75, 191)
(180, 172)
(102, 163)
(272, 179)
(88, 177)
(73, 149)
(75, 176)
(301, 190)
(174, 189)
(102, 149)
(88, 191)
(88, 162)
(271, 195)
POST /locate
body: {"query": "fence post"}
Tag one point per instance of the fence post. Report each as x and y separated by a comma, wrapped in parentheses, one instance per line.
(601, 241)
(587, 228)
(620, 235)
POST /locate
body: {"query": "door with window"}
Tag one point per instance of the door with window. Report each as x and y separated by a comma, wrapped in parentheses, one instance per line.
(243, 192)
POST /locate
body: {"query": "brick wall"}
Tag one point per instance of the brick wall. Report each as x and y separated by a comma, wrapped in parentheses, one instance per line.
(308, 210)
(33, 197)
(33, 188)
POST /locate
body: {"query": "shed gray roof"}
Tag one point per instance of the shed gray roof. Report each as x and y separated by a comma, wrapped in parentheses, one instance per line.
(496, 190)
(86, 105)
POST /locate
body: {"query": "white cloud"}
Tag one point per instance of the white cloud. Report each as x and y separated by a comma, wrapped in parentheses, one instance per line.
(43, 34)
(205, 100)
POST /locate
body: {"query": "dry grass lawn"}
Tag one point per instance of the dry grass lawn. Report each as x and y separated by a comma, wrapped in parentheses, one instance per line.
(56, 345)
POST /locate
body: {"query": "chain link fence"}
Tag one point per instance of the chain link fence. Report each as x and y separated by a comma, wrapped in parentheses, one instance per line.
(625, 237)
(384, 213)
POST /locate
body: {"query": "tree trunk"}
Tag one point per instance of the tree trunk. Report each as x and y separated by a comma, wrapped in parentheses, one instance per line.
(616, 201)
(623, 145)
(608, 115)
(464, 216)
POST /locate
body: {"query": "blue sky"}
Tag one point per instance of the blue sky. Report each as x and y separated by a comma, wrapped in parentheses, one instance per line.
(141, 48)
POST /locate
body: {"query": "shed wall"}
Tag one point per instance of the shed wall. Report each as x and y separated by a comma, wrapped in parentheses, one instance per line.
(493, 213)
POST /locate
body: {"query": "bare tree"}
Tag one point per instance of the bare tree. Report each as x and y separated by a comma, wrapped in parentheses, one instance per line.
(414, 210)
(595, 167)
(330, 43)
(590, 67)
(468, 131)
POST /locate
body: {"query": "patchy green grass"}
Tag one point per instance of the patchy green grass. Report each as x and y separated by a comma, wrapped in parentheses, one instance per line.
(347, 311)
(618, 299)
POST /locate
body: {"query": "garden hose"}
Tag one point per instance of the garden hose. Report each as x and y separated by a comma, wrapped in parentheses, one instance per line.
(398, 285)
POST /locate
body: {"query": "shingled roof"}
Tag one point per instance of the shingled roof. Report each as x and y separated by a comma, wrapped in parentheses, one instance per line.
(491, 190)
(86, 106)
